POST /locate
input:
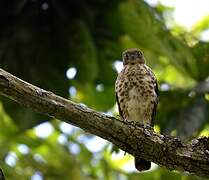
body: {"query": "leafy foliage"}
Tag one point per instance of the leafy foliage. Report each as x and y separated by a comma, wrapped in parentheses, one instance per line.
(40, 40)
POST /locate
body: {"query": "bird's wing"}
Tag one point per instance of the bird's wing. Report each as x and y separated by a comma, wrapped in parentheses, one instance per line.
(155, 104)
(119, 108)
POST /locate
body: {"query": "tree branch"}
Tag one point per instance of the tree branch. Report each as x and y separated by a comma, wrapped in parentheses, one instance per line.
(163, 150)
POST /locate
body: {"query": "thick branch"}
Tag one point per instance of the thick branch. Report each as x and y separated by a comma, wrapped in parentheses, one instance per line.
(166, 151)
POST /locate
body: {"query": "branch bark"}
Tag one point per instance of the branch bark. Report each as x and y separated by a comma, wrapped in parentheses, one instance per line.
(167, 151)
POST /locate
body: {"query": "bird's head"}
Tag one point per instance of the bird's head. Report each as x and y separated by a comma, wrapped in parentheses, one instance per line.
(133, 56)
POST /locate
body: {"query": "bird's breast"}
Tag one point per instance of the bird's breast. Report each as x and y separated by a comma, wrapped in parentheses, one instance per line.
(141, 95)
(135, 88)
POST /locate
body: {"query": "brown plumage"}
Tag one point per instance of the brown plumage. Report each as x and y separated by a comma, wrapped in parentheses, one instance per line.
(136, 94)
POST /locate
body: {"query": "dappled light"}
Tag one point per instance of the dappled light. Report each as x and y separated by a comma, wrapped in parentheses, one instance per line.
(11, 159)
(44, 130)
(100, 87)
(118, 65)
(67, 128)
(72, 91)
(24, 149)
(204, 35)
(74, 49)
(44, 6)
(37, 176)
(71, 72)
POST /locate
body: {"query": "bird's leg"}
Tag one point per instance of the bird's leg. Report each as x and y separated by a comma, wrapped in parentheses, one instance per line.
(144, 125)
(148, 126)
(128, 121)
(139, 124)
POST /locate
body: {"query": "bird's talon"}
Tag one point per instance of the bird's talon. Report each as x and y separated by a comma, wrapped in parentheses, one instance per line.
(139, 125)
(133, 123)
(148, 127)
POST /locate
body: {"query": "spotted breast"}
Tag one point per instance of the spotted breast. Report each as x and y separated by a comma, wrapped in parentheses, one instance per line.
(136, 94)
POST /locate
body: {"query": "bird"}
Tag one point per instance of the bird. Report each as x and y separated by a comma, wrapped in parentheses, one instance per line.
(136, 91)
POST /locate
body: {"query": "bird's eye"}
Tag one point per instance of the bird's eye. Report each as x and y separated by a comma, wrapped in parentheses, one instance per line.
(126, 56)
(139, 53)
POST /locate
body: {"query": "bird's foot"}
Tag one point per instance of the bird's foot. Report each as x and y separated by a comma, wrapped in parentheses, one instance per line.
(147, 126)
(144, 126)
(133, 123)
(139, 125)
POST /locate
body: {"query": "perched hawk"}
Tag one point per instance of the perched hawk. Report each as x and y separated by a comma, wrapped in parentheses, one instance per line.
(136, 93)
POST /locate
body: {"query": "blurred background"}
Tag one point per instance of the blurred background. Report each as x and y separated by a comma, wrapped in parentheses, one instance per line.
(73, 48)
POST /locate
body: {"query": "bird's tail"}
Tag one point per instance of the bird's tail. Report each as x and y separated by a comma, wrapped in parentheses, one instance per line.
(141, 164)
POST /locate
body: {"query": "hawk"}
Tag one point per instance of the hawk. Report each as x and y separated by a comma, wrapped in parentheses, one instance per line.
(137, 94)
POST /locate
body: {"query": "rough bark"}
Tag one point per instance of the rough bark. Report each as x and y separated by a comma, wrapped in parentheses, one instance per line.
(167, 151)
